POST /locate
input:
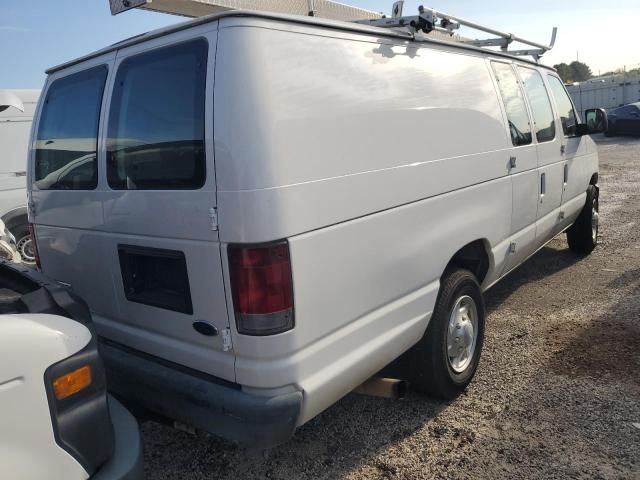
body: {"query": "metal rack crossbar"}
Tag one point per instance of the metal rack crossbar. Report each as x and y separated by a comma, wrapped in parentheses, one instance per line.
(429, 20)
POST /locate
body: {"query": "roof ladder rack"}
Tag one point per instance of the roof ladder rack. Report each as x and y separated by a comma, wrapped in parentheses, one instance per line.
(429, 20)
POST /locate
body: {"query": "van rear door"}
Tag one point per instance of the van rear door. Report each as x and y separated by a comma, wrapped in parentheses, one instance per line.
(65, 199)
(151, 268)
(159, 204)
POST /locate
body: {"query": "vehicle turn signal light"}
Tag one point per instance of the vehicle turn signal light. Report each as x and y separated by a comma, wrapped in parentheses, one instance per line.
(73, 382)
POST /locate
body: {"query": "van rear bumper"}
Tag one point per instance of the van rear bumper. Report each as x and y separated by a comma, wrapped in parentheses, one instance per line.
(199, 400)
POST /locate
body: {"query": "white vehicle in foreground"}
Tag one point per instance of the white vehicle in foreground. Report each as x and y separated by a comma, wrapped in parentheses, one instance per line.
(57, 420)
(256, 246)
(16, 114)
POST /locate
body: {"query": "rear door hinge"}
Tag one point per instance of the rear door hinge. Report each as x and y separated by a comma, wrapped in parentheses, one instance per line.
(31, 209)
(226, 340)
(213, 218)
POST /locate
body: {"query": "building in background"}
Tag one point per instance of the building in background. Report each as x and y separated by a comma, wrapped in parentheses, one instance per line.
(608, 92)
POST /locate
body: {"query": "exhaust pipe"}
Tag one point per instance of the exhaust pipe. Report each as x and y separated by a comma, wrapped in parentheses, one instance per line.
(383, 387)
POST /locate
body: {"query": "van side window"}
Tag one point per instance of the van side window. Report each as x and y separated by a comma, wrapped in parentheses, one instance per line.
(540, 104)
(156, 121)
(514, 104)
(67, 138)
(565, 107)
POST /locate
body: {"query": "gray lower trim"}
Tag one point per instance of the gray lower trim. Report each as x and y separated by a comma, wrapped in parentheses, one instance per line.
(199, 400)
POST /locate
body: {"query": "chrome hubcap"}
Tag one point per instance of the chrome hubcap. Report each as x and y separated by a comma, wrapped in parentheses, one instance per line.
(595, 220)
(462, 333)
(25, 248)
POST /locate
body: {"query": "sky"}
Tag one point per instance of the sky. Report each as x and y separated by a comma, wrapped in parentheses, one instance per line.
(37, 34)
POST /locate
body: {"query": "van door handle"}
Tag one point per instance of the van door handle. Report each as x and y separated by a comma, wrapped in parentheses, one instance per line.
(562, 149)
(512, 161)
(566, 174)
(543, 186)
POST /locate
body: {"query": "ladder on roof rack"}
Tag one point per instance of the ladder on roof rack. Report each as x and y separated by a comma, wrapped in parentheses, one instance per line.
(198, 8)
(427, 21)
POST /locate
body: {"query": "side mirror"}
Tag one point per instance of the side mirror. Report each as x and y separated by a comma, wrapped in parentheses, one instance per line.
(596, 120)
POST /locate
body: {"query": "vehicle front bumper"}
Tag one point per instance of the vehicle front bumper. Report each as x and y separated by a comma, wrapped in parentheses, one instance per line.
(126, 461)
(200, 400)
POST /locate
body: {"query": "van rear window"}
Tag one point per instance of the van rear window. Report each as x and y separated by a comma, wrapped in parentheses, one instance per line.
(156, 121)
(65, 150)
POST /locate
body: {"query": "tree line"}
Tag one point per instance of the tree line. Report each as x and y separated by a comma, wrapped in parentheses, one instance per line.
(579, 72)
(573, 72)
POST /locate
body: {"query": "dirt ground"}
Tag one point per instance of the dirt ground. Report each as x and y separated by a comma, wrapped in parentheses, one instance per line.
(556, 395)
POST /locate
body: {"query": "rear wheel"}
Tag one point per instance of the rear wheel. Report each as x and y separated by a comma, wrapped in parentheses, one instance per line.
(582, 236)
(24, 244)
(445, 360)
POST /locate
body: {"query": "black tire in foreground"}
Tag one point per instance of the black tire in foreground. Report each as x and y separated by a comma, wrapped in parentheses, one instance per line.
(582, 236)
(445, 360)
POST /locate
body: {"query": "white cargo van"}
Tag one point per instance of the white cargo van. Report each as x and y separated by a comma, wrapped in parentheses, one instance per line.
(265, 210)
(16, 113)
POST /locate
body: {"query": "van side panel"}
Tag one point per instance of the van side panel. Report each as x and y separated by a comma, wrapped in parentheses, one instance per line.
(371, 224)
(365, 290)
(311, 122)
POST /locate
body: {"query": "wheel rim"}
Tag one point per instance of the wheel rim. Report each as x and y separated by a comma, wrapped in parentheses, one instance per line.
(462, 333)
(595, 220)
(25, 248)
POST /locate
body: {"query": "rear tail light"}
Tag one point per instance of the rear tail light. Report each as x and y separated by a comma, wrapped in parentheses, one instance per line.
(32, 233)
(262, 288)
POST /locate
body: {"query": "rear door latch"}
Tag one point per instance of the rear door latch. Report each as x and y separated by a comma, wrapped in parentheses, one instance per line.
(213, 218)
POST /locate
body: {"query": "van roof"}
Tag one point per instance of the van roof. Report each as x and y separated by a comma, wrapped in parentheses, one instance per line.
(321, 22)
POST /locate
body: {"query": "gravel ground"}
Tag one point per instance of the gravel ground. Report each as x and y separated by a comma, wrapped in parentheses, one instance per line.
(556, 394)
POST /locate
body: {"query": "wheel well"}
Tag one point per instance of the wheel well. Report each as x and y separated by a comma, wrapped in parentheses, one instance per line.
(594, 179)
(15, 219)
(473, 257)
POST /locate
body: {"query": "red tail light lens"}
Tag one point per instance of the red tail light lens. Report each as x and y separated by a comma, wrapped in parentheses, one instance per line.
(32, 233)
(262, 288)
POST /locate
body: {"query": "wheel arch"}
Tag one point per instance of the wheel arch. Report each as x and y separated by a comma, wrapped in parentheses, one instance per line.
(474, 257)
(15, 217)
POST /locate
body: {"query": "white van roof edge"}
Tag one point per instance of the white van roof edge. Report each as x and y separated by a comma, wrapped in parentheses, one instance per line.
(335, 24)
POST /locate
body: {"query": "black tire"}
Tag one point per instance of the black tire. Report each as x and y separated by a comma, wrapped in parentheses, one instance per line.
(430, 370)
(581, 236)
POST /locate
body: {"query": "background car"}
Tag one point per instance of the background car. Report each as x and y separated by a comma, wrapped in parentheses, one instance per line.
(624, 120)
(16, 114)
